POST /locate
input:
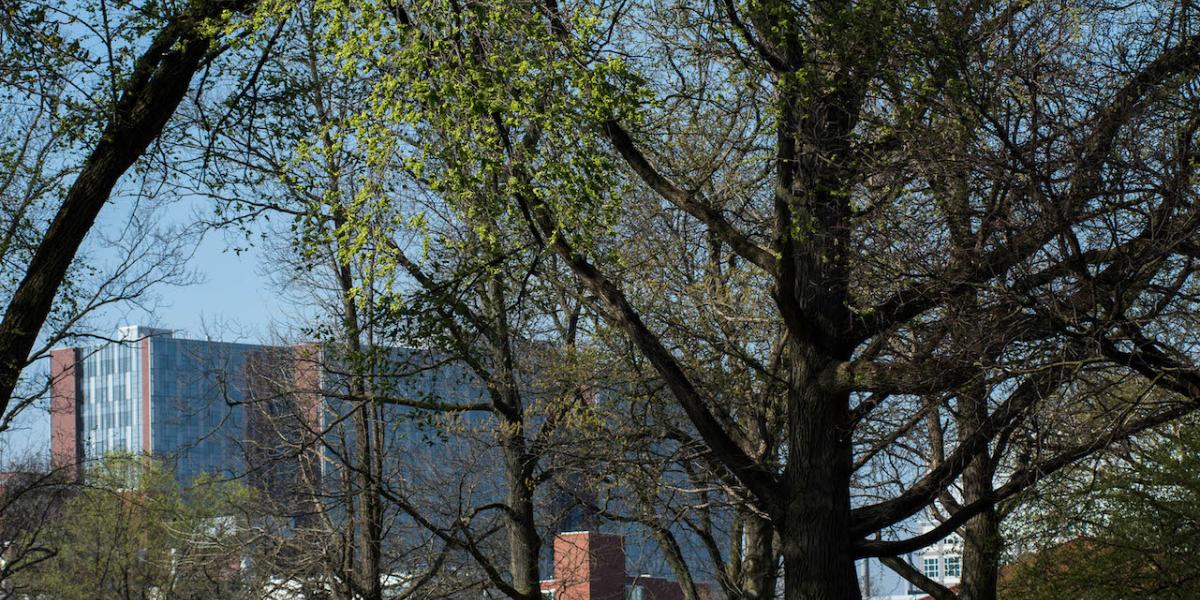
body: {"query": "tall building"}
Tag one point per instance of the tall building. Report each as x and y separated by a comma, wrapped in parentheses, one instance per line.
(277, 417)
(151, 393)
(225, 408)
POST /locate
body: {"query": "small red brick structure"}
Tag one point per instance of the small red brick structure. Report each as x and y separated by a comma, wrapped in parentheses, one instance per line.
(591, 566)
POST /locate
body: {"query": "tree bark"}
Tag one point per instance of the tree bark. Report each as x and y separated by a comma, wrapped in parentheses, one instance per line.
(817, 553)
(812, 238)
(981, 535)
(759, 563)
(524, 544)
(523, 540)
(367, 529)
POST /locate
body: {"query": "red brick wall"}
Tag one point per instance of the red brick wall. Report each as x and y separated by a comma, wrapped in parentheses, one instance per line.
(65, 449)
(588, 566)
(591, 566)
(307, 368)
(283, 412)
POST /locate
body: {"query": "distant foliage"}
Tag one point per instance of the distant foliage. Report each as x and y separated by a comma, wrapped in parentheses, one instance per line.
(132, 532)
(1139, 538)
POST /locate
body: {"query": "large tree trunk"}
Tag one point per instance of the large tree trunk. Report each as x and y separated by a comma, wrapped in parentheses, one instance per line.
(981, 535)
(817, 554)
(523, 540)
(818, 560)
(812, 232)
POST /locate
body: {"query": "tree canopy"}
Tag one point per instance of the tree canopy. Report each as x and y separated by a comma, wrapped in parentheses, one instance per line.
(850, 264)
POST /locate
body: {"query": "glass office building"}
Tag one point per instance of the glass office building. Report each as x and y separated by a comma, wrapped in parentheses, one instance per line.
(150, 393)
(226, 408)
(255, 412)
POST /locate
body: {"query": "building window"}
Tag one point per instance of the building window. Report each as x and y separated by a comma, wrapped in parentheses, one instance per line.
(931, 568)
(633, 592)
(953, 566)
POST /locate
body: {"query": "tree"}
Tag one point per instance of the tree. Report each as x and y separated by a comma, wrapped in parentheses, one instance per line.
(1129, 530)
(133, 533)
(31, 498)
(972, 209)
(479, 319)
(136, 100)
(38, 142)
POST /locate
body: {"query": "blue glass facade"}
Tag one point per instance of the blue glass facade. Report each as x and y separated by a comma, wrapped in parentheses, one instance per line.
(187, 401)
(197, 402)
(407, 375)
(180, 400)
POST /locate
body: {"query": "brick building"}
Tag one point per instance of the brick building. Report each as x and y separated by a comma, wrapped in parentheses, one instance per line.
(591, 566)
